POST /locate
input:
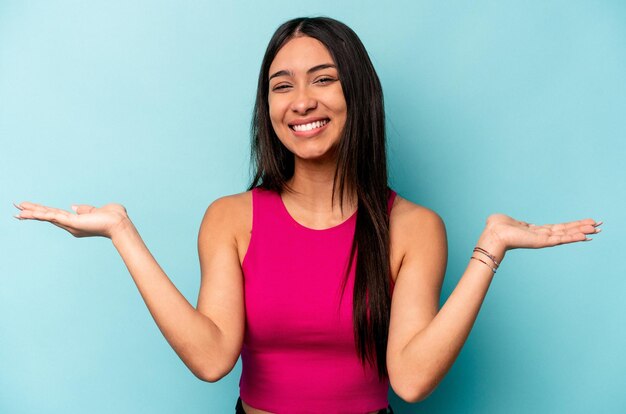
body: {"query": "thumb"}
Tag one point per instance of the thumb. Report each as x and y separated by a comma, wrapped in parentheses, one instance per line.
(82, 208)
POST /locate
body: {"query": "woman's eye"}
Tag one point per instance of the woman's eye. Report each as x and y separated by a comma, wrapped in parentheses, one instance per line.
(280, 87)
(325, 80)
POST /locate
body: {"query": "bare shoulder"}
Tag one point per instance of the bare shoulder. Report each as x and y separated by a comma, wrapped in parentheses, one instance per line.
(413, 221)
(231, 211)
(229, 220)
(414, 230)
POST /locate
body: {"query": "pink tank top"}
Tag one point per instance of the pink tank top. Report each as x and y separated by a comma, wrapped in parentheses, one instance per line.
(299, 354)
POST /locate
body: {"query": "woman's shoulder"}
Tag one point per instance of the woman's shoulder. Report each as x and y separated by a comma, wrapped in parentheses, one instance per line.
(414, 230)
(416, 233)
(232, 201)
(406, 212)
(230, 212)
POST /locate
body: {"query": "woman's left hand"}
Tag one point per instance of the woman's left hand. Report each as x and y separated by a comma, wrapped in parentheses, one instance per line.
(507, 233)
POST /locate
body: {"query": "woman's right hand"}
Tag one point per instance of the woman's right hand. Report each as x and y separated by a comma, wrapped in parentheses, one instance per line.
(87, 222)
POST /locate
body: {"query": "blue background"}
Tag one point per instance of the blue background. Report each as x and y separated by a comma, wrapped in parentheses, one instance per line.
(515, 107)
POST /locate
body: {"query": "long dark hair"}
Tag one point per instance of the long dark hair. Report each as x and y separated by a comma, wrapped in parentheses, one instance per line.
(361, 169)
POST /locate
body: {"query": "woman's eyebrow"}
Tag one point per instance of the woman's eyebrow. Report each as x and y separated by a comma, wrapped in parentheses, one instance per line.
(313, 69)
(282, 73)
(320, 67)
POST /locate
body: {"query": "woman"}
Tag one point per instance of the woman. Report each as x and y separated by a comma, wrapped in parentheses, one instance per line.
(319, 327)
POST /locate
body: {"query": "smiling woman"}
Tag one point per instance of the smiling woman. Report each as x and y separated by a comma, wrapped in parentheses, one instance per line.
(307, 107)
(320, 277)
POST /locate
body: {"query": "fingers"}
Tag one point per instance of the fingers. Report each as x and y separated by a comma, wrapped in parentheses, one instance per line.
(586, 225)
(561, 230)
(577, 233)
(32, 211)
(566, 238)
(27, 205)
(562, 233)
(574, 224)
(24, 205)
(52, 215)
(78, 208)
(30, 207)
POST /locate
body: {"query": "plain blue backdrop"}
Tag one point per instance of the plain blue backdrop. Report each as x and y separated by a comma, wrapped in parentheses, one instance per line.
(514, 107)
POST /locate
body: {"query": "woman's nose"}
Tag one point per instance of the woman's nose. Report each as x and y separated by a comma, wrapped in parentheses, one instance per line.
(303, 102)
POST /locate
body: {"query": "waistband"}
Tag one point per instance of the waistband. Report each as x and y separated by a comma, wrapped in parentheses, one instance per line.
(239, 408)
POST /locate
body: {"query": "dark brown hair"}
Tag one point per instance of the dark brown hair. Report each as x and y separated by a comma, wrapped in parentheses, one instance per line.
(361, 169)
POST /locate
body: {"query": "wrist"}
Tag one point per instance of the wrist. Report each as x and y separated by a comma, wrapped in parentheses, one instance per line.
(490, 242)
(122, 229)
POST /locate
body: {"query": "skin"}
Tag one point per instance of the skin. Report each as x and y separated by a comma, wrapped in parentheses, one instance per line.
(424, 340)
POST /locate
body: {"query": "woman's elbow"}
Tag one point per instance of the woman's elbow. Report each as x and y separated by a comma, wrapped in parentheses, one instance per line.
(411, 396)
(210, 373)
(413, 392)
(211, 370)
(209, 367)
(206, 376)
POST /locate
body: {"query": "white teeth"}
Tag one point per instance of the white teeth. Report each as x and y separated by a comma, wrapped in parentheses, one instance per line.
(310, 126)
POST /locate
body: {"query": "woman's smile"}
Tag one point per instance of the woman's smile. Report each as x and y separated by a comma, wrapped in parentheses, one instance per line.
(308, 128)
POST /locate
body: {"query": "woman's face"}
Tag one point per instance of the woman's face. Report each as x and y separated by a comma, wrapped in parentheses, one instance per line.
(307, 106)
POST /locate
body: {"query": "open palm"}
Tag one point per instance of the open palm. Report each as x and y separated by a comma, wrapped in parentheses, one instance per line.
(515, 234)
(88, 220)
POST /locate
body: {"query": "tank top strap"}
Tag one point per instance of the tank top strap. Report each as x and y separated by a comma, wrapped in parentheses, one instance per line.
(267, 211)
(266, 221)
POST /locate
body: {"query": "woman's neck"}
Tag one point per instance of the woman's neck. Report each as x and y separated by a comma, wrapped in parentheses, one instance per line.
(311, 188)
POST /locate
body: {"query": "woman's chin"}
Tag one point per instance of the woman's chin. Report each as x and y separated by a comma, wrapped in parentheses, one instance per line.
(316, 156)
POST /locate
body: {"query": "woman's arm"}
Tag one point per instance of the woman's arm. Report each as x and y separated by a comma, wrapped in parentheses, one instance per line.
(207, 339)
(424, 342)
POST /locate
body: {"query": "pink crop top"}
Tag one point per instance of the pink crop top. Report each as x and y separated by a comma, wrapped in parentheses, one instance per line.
(299, 354)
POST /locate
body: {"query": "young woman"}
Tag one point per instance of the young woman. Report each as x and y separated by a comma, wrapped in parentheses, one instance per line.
(322, 279)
